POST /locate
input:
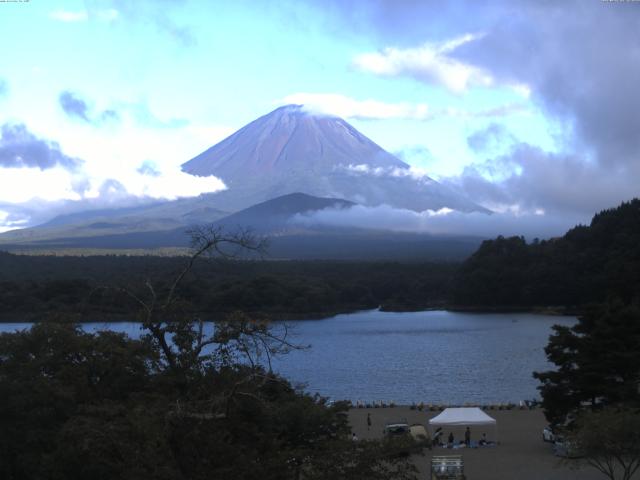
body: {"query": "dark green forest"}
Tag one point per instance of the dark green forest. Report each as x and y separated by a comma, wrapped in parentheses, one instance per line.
(89, 287)
(589, 264)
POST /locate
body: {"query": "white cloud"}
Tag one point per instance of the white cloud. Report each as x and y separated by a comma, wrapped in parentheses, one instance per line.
(119, 150)
(33, 195)
(363, 169)
(428, 63)
(57, 190)
(19, 185)
(170, 184)
(61, 184)
(346, 107)
(514, 221)
(69, 16)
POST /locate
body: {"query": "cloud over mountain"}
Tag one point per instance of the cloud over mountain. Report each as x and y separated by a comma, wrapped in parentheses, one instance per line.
(350, 108)
(346, 107)
(441, 222)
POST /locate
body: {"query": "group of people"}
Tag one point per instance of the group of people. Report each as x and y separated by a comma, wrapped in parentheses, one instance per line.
(451, 443)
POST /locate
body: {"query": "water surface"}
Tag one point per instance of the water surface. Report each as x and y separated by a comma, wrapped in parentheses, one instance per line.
(433, 356)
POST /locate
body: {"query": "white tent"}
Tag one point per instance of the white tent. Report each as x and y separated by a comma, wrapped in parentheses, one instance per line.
(466, 417)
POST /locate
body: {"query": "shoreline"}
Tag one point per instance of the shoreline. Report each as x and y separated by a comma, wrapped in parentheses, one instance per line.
(73, 317)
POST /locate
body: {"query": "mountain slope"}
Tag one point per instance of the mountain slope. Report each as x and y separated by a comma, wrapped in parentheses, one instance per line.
(287, 239)
(291, 150)
(159, 216)
(269, 217)
(275, 215)
(289, 141)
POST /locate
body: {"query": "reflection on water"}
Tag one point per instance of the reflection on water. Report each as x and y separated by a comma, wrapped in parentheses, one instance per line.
(434, 357)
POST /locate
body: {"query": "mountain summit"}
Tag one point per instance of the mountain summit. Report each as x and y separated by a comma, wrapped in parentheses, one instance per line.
(289, 141)
(293, 150)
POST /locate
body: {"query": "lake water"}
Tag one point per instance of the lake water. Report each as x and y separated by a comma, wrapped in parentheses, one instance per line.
(433, 356)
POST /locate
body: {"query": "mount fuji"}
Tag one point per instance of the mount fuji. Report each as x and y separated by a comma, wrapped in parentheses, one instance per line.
(292, 150)
(291, 160)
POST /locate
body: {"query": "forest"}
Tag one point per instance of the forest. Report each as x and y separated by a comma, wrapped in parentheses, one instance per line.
(90, 287)
(589, 264)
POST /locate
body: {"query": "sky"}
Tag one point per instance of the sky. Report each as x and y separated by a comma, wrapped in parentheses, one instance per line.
(531, 108)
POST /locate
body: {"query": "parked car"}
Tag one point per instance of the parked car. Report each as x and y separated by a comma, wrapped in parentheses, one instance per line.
(396, 428)
(403, 440)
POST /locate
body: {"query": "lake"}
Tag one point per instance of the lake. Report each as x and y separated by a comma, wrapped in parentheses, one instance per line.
(431, 356)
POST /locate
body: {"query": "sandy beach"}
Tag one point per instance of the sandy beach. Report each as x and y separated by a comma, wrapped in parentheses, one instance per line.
(521, 453)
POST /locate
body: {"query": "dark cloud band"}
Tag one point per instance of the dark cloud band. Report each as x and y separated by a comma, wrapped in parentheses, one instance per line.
(19, 148)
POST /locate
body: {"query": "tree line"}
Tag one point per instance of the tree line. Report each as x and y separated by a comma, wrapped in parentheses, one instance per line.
(33, 286)
(589, 264)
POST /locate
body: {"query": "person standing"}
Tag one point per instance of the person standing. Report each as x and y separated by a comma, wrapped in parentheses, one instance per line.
(368, 421)
(436, 436)
(467, 437)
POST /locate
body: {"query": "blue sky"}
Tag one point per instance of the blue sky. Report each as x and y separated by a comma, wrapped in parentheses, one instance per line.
(475, 94)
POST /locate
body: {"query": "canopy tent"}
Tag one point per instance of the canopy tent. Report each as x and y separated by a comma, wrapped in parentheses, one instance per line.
(462, 416)
(466, 417)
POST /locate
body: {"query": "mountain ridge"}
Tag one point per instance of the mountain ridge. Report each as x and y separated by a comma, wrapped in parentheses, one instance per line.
(274, 219)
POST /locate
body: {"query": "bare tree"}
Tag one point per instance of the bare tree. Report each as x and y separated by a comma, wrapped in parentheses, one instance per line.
(182, 338)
